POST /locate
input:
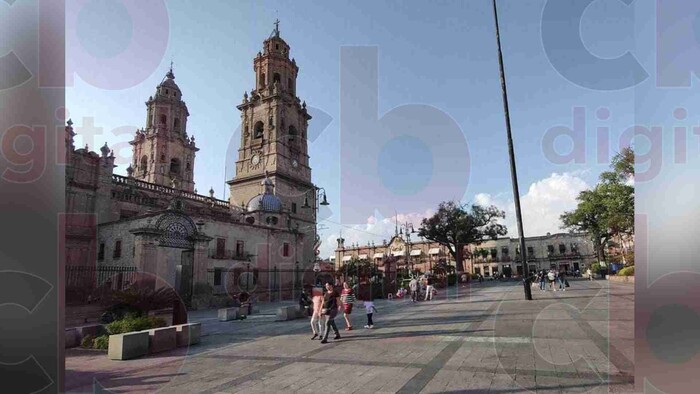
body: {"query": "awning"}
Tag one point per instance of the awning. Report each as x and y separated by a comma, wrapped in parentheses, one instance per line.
(397, 253)
(347, 258)
(434, 251)
(362, 256)
(378, 255)
(416, 252)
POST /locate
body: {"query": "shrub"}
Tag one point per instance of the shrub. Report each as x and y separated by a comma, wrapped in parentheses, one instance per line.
(595, 268)
(101, 342)
(87, 341)
(627, 271)
(131, 323)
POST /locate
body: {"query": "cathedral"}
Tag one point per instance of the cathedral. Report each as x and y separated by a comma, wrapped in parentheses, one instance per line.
(262, 240)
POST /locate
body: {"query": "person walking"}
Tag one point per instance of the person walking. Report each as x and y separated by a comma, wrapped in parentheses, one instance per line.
(562, 281)
(413, 286)
(550, 277)
(370, 309)
(589, 273)
(330, 311)
(347, 297)
(542, 276)
(316, 316)
(429, 289)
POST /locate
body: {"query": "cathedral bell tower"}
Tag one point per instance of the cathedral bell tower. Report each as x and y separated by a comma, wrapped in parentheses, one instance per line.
(162, 152)
(274, 123)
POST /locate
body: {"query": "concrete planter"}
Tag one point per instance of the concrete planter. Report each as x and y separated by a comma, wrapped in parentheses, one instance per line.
(162, 339)
(289, 313)
(128, 345)
(226, 314)
(188, 334)
(622, 279)
(75, 335)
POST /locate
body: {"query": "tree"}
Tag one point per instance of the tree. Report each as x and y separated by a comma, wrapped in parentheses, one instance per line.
(589, 217)
(455, 225)
(607, 211)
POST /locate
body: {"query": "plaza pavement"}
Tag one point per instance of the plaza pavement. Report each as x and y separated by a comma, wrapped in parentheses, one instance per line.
(483, 338)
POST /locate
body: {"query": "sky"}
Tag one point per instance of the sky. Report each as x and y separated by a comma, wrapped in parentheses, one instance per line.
(438, 131)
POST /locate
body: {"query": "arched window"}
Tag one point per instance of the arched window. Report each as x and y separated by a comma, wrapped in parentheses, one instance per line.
(163, 119)
(292, 130)
(144, 164)
(175, 166)
(262, 80)
(276, 78)
(176, 124)
(162, 158)
(188, 166)
(258, 130)
(290, 86)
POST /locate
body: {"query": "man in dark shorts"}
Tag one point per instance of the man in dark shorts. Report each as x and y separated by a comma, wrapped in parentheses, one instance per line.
(330, 311)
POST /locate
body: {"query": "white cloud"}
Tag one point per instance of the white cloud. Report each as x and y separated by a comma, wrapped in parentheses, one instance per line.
(541, 207)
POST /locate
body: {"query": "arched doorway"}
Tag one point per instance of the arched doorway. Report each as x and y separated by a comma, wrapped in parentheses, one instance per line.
(176, 244)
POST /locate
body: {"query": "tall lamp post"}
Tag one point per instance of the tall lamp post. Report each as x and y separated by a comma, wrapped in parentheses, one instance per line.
(511, 154)
(408, 227)
(319, 192)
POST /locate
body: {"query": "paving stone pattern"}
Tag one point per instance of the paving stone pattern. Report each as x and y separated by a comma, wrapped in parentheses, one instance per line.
(475, 339)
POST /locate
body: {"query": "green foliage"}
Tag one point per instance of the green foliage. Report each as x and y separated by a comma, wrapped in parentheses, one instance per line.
(132, 323)
(627, 271)
(455, 225)
(607, 210)
(475, 276)
(87, 341)
(141, 298)
(595, 268)
(101, 342)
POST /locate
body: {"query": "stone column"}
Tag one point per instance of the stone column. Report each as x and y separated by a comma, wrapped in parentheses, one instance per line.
(146, 251)
(200, 261)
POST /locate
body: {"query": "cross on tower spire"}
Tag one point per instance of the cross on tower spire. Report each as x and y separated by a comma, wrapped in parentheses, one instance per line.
(277, 27)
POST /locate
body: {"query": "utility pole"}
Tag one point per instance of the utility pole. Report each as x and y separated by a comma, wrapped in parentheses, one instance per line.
(513, 172)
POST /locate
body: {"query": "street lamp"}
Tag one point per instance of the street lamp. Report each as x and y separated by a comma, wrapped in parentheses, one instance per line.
(408, 226)
(511, 154)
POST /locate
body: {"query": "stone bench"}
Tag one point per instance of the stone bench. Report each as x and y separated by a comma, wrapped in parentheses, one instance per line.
(289, 313)
(128, 345)
(188, 334)
(162, 339)
(226, 314)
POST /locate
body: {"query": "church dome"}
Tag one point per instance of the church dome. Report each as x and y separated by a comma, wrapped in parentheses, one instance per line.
(265, 202)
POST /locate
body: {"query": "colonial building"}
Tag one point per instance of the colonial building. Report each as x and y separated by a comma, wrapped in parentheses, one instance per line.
(262, 240)
(561, 251)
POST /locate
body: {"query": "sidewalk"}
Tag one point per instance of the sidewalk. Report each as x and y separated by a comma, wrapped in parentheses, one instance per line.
(483, 338)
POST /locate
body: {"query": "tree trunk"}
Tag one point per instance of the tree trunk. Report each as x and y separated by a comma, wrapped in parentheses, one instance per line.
(458, 256)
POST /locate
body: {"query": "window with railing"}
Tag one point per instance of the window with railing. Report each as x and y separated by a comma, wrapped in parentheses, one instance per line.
(101, 252)
(240, 249)
(562, 249)
(574, 248)
(117, 250)
(285, 249)
(530, 251)
(217, 276)
(550, 250)
(494, 253)
(220, 247)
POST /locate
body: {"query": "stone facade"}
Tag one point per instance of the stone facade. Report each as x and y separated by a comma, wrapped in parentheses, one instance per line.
(560, 251)
(154, 221)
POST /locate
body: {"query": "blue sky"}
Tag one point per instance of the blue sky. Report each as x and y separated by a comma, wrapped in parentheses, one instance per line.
(438, 54)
